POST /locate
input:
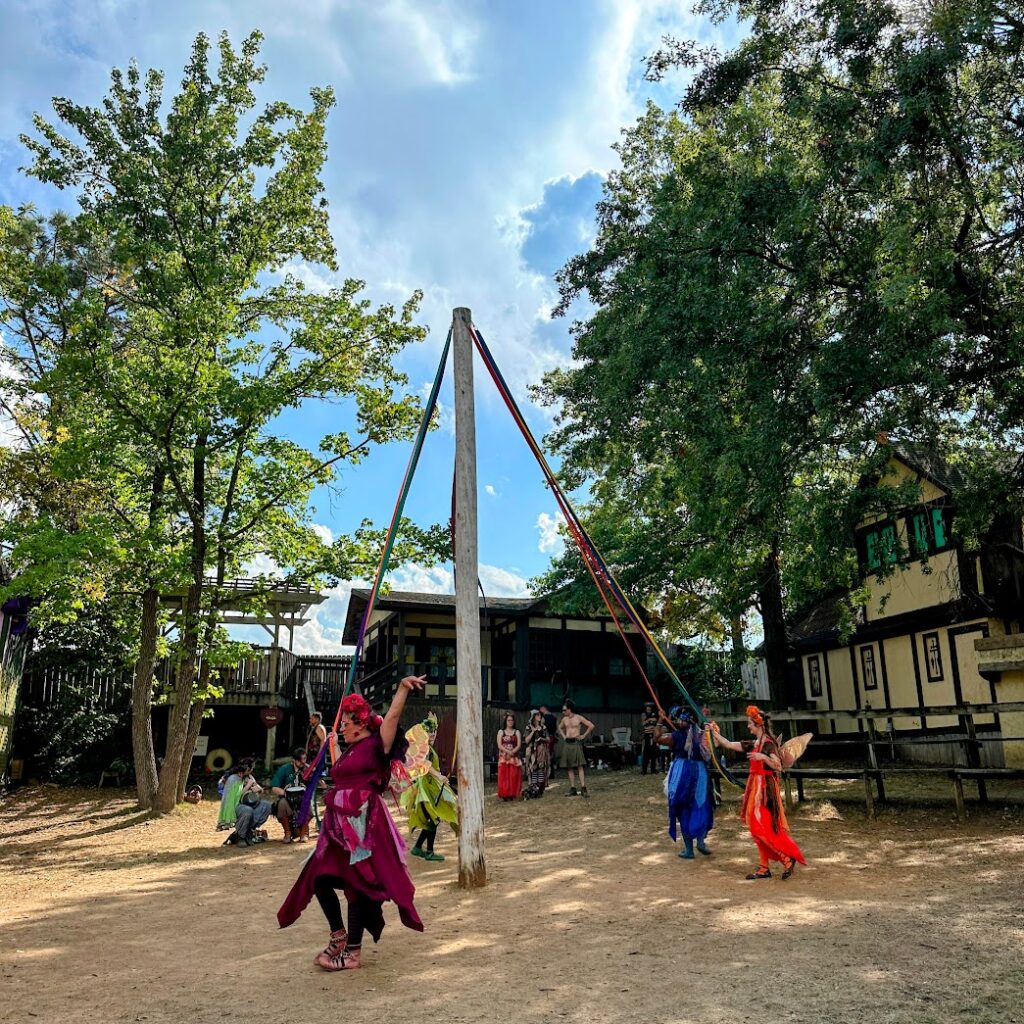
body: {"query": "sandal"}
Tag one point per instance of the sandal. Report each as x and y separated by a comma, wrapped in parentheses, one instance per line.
(758, 874)
(333, 949)
(789, 869)
(347, 960)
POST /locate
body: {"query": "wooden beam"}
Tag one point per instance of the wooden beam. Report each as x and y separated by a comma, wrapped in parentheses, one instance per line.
(472, 861)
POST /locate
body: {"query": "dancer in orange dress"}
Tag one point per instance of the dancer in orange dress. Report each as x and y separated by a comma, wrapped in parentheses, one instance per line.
(762, 808)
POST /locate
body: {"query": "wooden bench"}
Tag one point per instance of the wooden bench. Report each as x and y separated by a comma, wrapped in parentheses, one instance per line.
(868, 775)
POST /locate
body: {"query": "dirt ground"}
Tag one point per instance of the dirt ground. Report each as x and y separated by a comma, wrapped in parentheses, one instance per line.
(588, 916)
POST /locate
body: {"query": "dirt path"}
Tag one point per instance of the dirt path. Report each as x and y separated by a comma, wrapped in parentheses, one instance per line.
(589, 916)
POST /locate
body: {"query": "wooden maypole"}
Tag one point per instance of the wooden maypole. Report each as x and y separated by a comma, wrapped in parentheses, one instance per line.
(469, 678)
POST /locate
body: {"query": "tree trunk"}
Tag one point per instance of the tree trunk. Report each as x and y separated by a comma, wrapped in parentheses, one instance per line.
(142, 703)
(739, 651)
(167, 794)
(776, 640)
(195, 723)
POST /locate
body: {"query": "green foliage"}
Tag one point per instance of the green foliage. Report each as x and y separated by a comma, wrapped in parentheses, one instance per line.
(72, 738)
(823, 244)
(153, 341)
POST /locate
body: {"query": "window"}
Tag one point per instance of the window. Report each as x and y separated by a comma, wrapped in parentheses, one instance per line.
(867, 668)
(939, 527)
(880, 546)
(933, 657)
(929, 531)
(814, 675)
(619, 666)
(544, 648)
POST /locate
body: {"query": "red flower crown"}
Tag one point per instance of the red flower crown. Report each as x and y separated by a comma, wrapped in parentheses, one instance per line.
(357, 707)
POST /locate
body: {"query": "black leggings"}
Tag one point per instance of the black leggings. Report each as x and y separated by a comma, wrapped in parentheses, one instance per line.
(427, 836)
(363, 913)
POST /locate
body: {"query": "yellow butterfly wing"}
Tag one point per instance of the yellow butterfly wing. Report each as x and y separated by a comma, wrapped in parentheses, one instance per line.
(417, 758)
(792, 750)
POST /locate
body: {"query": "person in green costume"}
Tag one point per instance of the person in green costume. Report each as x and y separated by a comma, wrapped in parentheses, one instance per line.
(429, 799)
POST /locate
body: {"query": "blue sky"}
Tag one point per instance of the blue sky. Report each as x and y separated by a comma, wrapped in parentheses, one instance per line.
(466, 153)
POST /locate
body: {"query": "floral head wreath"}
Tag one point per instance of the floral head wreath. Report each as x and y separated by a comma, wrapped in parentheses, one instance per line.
(430, 722)
(357, 708)
(754, 714)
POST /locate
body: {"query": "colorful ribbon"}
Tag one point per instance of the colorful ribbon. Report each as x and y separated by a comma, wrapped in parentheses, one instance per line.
(315, 772)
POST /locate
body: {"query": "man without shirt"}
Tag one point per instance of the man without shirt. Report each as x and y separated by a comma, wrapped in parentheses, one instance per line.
(573, 738)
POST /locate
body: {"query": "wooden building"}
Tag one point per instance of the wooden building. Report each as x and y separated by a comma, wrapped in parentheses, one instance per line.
(942, 625)
(529, 654)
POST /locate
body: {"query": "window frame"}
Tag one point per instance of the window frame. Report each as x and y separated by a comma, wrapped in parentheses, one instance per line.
(868, 652)
(814, 676)
(875, 532)
(925, 638)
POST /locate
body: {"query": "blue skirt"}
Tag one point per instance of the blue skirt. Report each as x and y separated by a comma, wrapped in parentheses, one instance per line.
(691, 806)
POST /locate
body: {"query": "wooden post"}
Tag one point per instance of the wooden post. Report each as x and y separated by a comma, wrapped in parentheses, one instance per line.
(973, 751)
(873, 758)
(472, 865)
(869, 798)
(958, 796)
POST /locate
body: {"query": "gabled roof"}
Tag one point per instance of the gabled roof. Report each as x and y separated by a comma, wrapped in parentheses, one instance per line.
(819, 622)
(407, 600)
(930, 465)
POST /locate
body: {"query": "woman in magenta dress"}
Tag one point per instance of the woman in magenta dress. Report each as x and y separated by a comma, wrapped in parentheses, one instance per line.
(510, 765)
(359, 849)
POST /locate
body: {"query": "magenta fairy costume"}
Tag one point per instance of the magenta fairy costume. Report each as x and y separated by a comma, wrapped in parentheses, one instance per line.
(359, 848)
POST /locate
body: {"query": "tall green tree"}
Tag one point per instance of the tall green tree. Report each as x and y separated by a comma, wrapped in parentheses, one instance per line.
(190, 338)
(821, 244)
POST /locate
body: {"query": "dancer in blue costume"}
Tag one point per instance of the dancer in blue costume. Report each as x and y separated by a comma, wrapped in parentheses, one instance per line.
(691, 806)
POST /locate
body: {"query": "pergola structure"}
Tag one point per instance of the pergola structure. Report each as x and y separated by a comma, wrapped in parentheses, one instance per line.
(271, 604)
(274, 605)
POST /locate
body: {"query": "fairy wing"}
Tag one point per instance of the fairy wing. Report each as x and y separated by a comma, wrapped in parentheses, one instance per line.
(792, 750)
(417, 758)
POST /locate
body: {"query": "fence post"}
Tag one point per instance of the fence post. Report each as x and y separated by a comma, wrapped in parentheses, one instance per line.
(972, 749)
(873, 757)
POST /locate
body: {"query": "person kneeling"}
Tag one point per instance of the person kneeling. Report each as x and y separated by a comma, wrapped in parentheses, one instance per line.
(287, 787)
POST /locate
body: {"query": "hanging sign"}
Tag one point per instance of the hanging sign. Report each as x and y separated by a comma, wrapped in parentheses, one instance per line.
(271, 717)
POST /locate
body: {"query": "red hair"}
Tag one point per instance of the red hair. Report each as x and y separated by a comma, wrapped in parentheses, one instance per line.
(754, 714)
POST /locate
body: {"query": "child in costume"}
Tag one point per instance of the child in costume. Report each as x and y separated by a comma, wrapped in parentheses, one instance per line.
(359, 849)
(691, 805)
(762, 809)
(429, 799)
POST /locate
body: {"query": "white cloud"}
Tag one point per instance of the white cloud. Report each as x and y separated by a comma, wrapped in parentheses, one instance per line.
(502, 582)
(551, 541)
(325, 533)
(438, 35)
(491, 490)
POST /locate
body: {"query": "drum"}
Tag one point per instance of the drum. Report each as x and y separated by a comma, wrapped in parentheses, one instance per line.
(294, 795)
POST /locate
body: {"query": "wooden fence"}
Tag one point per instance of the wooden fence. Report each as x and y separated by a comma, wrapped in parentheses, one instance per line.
(103, 688)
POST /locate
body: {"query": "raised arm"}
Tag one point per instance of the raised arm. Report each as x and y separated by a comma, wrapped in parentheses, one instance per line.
(389, 727)
(721, 741)
(662, 736)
